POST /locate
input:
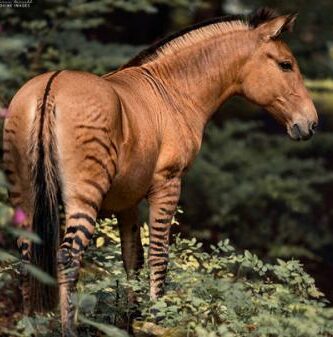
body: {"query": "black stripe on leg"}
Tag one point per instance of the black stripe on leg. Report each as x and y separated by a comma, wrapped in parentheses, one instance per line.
(88, 202)
(159, 236)
(172, 195)
(159, 293)
(9, 172)
(83, 216)
(160, 272)
(71, 230)
(66, 245)
(163, 221)
(81, 228)
(158, 244)
(96, 185)
(10, 131)
(160, 229)
(101, 165)
(14, 194)
(114, 165)
(67, 240)
(170, 202)
(23, 246)
(158, 249)
(79, 242)
(114, 147)
(158, 264)
(160, 278)
(77, 251)
(159, 255)
(166, 211)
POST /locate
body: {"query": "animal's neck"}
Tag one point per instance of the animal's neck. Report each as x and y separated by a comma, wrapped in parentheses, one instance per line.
(199, 78)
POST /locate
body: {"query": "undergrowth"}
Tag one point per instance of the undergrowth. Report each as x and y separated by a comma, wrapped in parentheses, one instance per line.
(208, 294)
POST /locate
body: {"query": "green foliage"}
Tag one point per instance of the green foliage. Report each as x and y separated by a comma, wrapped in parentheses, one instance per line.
(66, 35)
(268, 187)
(220, 293)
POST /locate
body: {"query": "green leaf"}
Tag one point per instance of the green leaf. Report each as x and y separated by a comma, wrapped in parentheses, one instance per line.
(6, 257)
(109, 330)
(33, 237)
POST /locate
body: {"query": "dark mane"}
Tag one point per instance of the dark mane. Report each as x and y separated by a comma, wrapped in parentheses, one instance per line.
(151, 50)
(261, 16)
(254, 20)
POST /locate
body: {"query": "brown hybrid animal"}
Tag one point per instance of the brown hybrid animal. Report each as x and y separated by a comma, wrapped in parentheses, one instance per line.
(103, 144)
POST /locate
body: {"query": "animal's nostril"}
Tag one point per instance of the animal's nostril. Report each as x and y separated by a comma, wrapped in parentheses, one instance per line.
(314, 126)
(297, 128)
(296, 131)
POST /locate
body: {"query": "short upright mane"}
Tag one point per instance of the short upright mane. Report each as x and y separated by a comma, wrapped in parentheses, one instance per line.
(200, 31)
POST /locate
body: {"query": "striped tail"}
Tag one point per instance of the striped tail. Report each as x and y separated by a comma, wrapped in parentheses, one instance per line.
(47, 196)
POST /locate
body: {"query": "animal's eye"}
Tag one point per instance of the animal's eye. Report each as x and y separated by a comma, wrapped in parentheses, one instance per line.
(286, 66)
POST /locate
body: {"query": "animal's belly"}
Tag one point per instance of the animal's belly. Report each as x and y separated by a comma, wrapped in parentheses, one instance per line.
(128, 189)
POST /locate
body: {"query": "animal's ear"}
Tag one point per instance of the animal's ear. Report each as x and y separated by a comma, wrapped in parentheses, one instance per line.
(272, 29)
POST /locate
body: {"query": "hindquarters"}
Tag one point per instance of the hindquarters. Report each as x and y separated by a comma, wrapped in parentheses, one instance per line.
(88, 137)
(61, 143)
(30, 166)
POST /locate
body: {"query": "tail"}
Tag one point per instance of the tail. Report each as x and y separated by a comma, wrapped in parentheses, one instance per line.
(47, 196)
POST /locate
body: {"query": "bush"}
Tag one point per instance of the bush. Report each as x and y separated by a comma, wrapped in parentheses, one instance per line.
(62, 34)
(220, 293)
(265, 192)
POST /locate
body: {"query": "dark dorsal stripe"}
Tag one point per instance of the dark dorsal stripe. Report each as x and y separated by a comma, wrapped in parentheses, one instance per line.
(43, 108)
(253, 20)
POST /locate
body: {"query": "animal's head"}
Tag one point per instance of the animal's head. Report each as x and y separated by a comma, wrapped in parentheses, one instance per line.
(271, 78)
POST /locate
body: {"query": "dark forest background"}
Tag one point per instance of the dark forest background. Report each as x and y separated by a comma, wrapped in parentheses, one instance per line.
(250, 183)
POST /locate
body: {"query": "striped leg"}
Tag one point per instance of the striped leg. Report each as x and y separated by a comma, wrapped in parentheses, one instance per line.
(20, 203)
(24, 246)
(163, 200)
(87, 176)
(131, 245)
(80, 223)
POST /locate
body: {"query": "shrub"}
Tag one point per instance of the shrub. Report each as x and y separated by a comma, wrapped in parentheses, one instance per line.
(265, 192)
(220, 293)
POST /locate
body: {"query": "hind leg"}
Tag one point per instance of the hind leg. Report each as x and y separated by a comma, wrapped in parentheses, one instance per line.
(24, 246)
(81, 207)
(131, 245)
(21, 203)
(80, 225)
(88, 164)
